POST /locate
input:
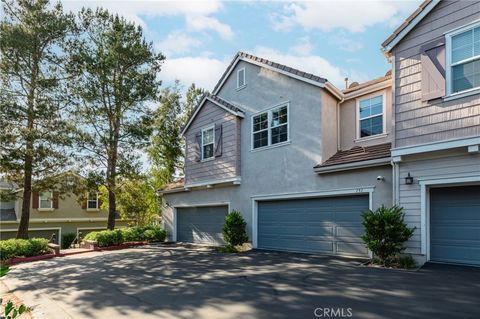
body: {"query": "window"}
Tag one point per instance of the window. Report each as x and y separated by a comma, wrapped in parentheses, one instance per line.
(463, 61)
(45, 200)
(208, 141)
(241, 78)
(92, 200)
(370, 115)
(271, 127)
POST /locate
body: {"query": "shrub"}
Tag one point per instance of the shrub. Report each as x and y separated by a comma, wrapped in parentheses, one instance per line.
(23, 247)
(154, 233)
(133, 234)
(67, 240)
(106, 237)
(385, 233)
(233, 230)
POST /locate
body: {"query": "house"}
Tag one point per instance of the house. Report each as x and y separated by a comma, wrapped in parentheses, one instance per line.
(299, 158)
(435, 57)
(52, 214)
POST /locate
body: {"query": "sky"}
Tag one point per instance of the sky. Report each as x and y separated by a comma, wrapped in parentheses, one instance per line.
(329, 38)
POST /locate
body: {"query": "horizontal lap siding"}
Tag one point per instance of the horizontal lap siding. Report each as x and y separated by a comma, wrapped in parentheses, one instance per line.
(420, 122)
(225, 166)
(432, 168)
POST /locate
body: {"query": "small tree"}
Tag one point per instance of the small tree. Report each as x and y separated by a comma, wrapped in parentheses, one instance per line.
(385, 232)
(233, 230)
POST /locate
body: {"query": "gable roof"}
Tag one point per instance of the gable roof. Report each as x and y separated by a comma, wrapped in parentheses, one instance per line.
(409, 23)
(224, 104)
(277, 67)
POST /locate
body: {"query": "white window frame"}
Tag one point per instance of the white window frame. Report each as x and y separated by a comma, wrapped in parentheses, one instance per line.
(239, 87)
(269, 112)
(450, 65)
(210, 127)
(91, 200)
(383, 114)
(40, 201)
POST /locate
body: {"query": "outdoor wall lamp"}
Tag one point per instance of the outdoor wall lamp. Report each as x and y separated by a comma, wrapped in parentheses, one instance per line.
(409, 179)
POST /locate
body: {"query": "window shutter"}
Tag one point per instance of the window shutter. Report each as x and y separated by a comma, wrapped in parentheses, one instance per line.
(55, 200)
(218, 140)
(99, 202)
(433, 71)
(84, 202)
(197, 147)
(34, 199)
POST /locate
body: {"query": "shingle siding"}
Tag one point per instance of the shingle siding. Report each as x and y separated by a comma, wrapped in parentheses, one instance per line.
(223, 167)
(420, 122)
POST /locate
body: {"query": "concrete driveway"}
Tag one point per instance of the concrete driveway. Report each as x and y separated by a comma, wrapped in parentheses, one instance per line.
(182, 282)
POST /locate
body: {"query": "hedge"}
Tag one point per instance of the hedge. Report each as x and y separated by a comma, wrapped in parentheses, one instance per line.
(118, 236)
(23, 248)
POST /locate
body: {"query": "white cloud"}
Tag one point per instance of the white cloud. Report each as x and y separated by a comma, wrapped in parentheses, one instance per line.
(303, 47)
(200, 23)
(309, 63)
(353, 16)
(178, 42)
(203, 71)
(197, 13)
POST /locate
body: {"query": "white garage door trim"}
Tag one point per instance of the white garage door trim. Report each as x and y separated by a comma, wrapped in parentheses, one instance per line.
(174, 235)
(336, 192)
(44, 228)
(425, 204)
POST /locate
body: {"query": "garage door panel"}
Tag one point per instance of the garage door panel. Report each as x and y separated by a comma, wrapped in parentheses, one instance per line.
(327, 225)
(455, 224)
(202, 225)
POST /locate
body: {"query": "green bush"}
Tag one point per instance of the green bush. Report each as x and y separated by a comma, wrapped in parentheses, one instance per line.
(154, 233)
(133, 234)
(385, 233)
(106, 237)
(23, 247)
(234, 231)
(67, 240)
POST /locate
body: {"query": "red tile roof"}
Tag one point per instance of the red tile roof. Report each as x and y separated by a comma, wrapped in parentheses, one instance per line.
(357, 154)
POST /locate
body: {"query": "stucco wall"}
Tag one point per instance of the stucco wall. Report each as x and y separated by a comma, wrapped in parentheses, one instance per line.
(349, 121)
(420, 122)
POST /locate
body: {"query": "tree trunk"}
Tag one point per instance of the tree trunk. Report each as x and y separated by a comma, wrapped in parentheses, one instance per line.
(111, 181)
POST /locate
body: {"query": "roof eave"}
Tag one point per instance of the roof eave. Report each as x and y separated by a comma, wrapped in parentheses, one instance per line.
(351, 166)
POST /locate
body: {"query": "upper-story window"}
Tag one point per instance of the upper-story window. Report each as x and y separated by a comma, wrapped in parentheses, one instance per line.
(370, 116)
(241, 82)
(463, 59)
(208, 142)
(46, 200)
(270, 127)
(92, 201)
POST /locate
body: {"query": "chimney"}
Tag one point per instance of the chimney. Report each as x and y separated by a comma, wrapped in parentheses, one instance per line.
(346, 83)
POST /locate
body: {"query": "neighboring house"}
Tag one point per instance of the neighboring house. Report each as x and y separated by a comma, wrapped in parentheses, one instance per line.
(435, 57)
(300, 159)
(51, 213)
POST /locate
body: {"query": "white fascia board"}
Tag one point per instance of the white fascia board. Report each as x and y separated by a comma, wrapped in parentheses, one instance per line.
(236, 181)
(437, 146)
(351, 166)
(387, 48)
(369, 89)
(202, 103)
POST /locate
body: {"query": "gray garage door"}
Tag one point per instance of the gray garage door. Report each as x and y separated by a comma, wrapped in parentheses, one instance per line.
(330, 225)
(455, 224)
(201, 225)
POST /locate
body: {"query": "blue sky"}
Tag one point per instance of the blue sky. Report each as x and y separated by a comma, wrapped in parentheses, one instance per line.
(333, 39)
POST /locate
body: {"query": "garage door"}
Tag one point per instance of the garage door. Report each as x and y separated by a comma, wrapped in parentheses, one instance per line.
(201, 225)
(455, 224)
(330, 225)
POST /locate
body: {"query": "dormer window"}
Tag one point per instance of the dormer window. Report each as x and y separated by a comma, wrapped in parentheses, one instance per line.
(241, 82)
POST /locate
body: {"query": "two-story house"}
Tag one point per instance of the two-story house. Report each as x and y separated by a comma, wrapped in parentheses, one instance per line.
(435, 57)
(299, 158)
(52, 214)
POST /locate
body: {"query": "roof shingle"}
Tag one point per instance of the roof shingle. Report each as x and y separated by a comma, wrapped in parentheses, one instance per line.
(357, 154)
